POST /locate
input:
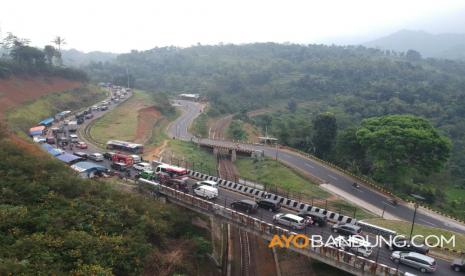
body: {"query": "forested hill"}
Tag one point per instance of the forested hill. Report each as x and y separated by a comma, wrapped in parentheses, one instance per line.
(353, 82)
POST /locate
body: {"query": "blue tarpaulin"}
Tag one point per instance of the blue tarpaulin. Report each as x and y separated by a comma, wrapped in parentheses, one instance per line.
(87, 167)
(68, 158)
(52, 150)
(46, 122)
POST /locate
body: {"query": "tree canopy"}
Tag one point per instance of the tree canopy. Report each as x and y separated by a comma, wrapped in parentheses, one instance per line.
(399, 144)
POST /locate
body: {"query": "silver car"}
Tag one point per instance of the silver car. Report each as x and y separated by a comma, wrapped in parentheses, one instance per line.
(416, 260)
(293, 221)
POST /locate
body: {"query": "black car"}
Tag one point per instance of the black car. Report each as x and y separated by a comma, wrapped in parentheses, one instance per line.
(317, 218)
(346, 229)
(269, 204)
(245, 205)
(80, 154)
(108, 155)
(122, 167)
(405, 245)
(458, 265)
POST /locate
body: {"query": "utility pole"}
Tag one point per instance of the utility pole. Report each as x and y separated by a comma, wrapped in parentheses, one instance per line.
(413, 219)
(127, 74)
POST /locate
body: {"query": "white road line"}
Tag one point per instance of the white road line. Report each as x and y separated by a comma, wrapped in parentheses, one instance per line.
(430, 223)
(388, 204)
(308, 165)
(332, 177)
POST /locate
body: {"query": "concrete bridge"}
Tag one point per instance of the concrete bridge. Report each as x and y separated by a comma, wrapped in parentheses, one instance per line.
(227, 148)
(222, 214)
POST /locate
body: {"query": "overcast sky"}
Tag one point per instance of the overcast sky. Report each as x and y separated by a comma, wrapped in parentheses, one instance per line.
(119, 26)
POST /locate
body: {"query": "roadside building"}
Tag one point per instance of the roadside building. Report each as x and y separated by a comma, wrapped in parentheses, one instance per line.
(47, 122)
(88, 169)
(36, 131)
(190, 97)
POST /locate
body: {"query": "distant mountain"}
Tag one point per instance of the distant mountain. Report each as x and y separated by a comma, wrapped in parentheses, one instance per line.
(451, 46)
(77, 58)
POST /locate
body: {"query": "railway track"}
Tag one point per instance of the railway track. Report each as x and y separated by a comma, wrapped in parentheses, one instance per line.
(226, 169)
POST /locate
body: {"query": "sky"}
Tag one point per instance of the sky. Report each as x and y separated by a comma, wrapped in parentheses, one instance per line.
(121, 26)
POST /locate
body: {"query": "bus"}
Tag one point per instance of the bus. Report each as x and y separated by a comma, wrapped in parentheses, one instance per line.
(166, 170)
(125, 146)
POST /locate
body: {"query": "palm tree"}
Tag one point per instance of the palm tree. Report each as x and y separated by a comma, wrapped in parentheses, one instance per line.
(59, 41)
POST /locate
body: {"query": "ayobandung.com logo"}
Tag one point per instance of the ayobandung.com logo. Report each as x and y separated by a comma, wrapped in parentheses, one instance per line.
(302, 241)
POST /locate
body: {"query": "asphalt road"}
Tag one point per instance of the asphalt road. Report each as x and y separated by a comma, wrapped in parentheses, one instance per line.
(179, 129)
(226, 197)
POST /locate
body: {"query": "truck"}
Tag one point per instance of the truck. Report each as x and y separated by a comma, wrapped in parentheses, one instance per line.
(122, 158)
(72, 126)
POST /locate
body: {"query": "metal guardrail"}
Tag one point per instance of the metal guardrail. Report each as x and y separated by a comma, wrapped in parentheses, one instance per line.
(330, 255)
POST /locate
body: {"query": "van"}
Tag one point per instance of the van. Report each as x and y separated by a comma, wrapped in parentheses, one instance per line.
(290, 220)
(206, 192)
(245, 205)
(210, 183)
(269, 204)
(136, 158)
(74, 138)
(317, 218)
(416, 260)
(98, 157)
(122, 167)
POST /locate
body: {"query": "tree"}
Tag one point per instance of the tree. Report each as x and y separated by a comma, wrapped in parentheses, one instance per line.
(59, 41)
(50, 52)
(324, 133)
(402, 144)
(292, 105)
(413, 55)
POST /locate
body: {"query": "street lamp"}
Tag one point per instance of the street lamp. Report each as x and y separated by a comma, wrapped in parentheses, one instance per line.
(276, 143)
(415, 205)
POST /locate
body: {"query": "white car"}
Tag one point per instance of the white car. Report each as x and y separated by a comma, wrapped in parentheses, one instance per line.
(210, 183)
(355, 244)
(291, 220)
(97, 157)
(206, 192)
(142, 166)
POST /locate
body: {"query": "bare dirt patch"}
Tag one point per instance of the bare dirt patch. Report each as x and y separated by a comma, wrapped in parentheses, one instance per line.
(17, 90)
(146, 119)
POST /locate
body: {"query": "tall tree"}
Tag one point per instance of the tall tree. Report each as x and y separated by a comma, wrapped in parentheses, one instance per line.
(292, 105)
(59, 41)
(50, 52)
(402, 144)
(324, 133)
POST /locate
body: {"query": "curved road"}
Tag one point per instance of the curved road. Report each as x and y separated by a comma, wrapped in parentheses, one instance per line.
(371, 198)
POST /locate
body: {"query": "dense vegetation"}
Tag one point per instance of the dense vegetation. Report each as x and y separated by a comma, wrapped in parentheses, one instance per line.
(18, 58)
(352, 83)
(53, 223)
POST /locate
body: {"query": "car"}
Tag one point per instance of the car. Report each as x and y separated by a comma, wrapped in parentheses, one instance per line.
(206, 192)
(290, 220)
(206, 182)
(245, 205)
(97, 157)
(269, 204)
(416, 260)
(355, 244)
(404, 245)
(317, 218)
(89, 116)
(74, 138)
(118, 166)
(458, 265)
(80, 154)
(346, 229)
(142, 166)
(108, 155)
(81, 145)
(136, 158)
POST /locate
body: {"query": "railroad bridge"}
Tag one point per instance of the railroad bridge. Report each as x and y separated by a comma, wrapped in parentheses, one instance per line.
(225, 148)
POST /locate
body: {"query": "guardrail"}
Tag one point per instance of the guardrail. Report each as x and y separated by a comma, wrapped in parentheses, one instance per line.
(330, 255)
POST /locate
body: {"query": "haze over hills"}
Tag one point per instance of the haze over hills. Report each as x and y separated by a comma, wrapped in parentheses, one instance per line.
(73, 57)
(445, 45)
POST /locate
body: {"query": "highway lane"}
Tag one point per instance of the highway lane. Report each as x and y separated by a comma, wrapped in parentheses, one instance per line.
(328, 175)
(226, 197)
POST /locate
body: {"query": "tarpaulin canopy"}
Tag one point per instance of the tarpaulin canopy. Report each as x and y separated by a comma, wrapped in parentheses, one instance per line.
(38, 130)
(85, 166)
(68, 158)
(46, 122)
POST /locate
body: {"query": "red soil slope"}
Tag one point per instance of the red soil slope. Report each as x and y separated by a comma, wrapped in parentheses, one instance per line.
(17, 90)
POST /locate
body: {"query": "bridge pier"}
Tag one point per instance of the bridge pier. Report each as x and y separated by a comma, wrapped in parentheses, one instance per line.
(215, 152)
(233, 155)
(217, 235)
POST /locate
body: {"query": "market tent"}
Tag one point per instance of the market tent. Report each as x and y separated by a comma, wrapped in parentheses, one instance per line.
(69, 158)
(47, 122)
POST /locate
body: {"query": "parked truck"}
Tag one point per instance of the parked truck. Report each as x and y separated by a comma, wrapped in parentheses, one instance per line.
(72, 126)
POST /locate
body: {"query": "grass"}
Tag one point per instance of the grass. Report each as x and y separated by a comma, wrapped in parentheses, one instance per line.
(457, 194)
(189, 155)
(274, 174)
(200, 126)
(403, 227)
(21, 118)
(121, 123)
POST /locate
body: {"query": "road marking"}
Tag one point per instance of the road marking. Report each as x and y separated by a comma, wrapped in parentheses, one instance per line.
(332, 177)
(425, 221)
(308, 165)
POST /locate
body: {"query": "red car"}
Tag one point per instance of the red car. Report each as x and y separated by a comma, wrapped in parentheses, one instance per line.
(81, 145)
